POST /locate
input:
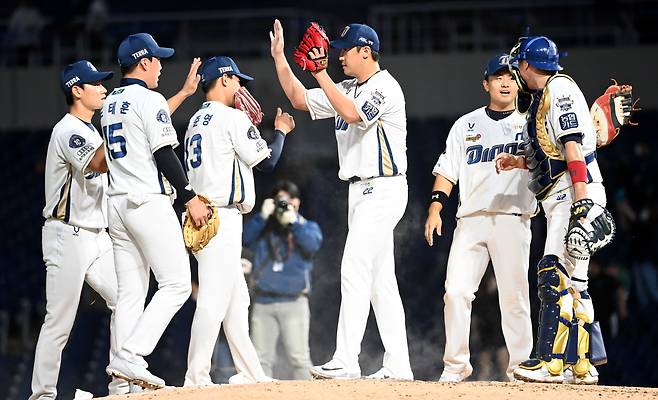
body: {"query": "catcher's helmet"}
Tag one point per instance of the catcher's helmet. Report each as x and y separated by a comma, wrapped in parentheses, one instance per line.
(539, 51)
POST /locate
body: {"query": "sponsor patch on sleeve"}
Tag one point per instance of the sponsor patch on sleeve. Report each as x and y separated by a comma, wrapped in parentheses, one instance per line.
(369, 110)
(163, 117)
(76, 141)
(568, 121)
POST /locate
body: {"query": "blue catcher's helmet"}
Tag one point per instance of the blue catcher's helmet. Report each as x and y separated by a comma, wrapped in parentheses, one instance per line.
(539, 51)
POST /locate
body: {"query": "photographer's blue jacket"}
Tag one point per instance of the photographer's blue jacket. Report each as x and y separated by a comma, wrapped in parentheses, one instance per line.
(291, 276)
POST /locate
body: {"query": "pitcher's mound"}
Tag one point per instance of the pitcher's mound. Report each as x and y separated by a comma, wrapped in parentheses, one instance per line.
(388, 390)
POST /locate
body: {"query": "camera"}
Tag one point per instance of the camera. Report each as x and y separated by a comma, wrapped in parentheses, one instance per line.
(281, 206)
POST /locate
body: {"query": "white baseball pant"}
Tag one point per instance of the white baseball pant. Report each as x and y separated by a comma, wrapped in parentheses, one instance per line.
(72, 256)
(147, 237)
(557, 208)
(223, 297)
(505, 239)
(367, 270)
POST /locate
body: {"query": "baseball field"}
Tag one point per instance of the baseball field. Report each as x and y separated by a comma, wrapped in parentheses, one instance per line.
(388, 390)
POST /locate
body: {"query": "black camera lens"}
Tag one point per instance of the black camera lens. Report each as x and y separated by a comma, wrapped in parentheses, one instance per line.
(281, 206)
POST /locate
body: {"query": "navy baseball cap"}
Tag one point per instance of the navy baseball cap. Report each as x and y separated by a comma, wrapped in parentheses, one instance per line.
(357, 35)
(140, 45)
(495, 64)
(218, 66)
(81, 72)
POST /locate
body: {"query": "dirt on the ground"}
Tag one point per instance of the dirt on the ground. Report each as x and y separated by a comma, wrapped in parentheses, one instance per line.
(386, 390)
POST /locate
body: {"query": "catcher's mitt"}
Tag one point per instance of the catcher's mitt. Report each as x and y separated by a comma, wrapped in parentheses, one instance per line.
(246, 102)
(611, 111)
(197, 238)
(312, 53)
(591, 227)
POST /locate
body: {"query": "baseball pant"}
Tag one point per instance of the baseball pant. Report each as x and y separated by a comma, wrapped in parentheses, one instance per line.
(505, 239)
(557, 208)
(288, 321)
(147, 237)
(223, 297)
(72, 256)
(368, 274)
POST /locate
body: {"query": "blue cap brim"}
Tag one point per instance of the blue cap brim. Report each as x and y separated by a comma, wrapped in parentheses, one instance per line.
(164, 52)
(99, 76)
(341, 44)
(245, 77)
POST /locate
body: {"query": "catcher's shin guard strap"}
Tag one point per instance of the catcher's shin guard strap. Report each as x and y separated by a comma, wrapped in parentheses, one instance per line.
(555, 313)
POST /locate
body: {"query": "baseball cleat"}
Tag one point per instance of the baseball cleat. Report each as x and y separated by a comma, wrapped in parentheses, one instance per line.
(386, 374)
(590, 378)
(538, 375)
(333, 370)
(449, 377)
(134, 373)
(243, 379)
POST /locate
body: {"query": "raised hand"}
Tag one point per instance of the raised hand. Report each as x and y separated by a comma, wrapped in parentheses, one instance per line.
(276, 39)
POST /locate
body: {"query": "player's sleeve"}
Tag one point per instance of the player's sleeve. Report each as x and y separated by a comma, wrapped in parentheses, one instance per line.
(250, 147)
(449, 162)
(78, 147)
(371, 104)
(157, 123)
(567, 113)
(319, 106)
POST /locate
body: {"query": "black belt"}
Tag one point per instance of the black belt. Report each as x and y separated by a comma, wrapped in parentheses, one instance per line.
(355, 179)
(277, 295)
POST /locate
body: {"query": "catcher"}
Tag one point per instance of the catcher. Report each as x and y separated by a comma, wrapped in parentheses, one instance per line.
(222, 146)
(560, 141)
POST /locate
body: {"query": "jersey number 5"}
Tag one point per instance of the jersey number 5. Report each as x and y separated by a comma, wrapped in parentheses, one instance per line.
(193, 151)
(111, 138)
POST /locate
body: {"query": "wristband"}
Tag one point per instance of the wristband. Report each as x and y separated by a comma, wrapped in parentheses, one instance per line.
(439, 197)
(577, 171)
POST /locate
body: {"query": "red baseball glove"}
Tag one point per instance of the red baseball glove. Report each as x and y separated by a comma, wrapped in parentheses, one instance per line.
(312, 53)
(246, 102)
(611, 111)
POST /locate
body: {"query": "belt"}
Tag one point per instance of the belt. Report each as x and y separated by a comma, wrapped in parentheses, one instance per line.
(356, 179)
(277, 295)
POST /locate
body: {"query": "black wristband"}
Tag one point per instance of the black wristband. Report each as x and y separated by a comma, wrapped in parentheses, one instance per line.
(439, 197)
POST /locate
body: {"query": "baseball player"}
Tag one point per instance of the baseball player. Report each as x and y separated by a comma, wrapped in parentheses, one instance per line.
(493, 222)
(560, 144)
(222, 147)
(145, 231)
(370, 120)
(76, 246)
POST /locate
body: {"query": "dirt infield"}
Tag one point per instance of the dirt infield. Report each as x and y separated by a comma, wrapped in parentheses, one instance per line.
(385, 390)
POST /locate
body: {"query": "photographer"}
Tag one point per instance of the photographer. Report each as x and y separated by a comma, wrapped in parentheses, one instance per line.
(283, 243)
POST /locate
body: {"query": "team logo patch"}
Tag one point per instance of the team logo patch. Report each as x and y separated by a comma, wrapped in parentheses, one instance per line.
(76, 141)
(565, 103)
(473, 138)
(347, 28)
(471, 125)
(252, 133)
(568, 121)
(369, 110)
(163, 116)
(378, 97)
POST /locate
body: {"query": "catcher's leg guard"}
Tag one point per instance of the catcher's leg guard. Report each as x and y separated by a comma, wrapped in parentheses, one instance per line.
(585, 345)
(554, 316)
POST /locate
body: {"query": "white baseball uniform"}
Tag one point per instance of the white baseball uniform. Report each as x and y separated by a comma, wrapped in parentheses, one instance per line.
(221, 149)
(372, 156)
(145, 231)
(76, 247)
(569, 114)
(493, 224)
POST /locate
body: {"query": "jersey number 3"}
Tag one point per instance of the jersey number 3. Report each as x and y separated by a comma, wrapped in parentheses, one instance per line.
(193, 151)
(112, 137)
